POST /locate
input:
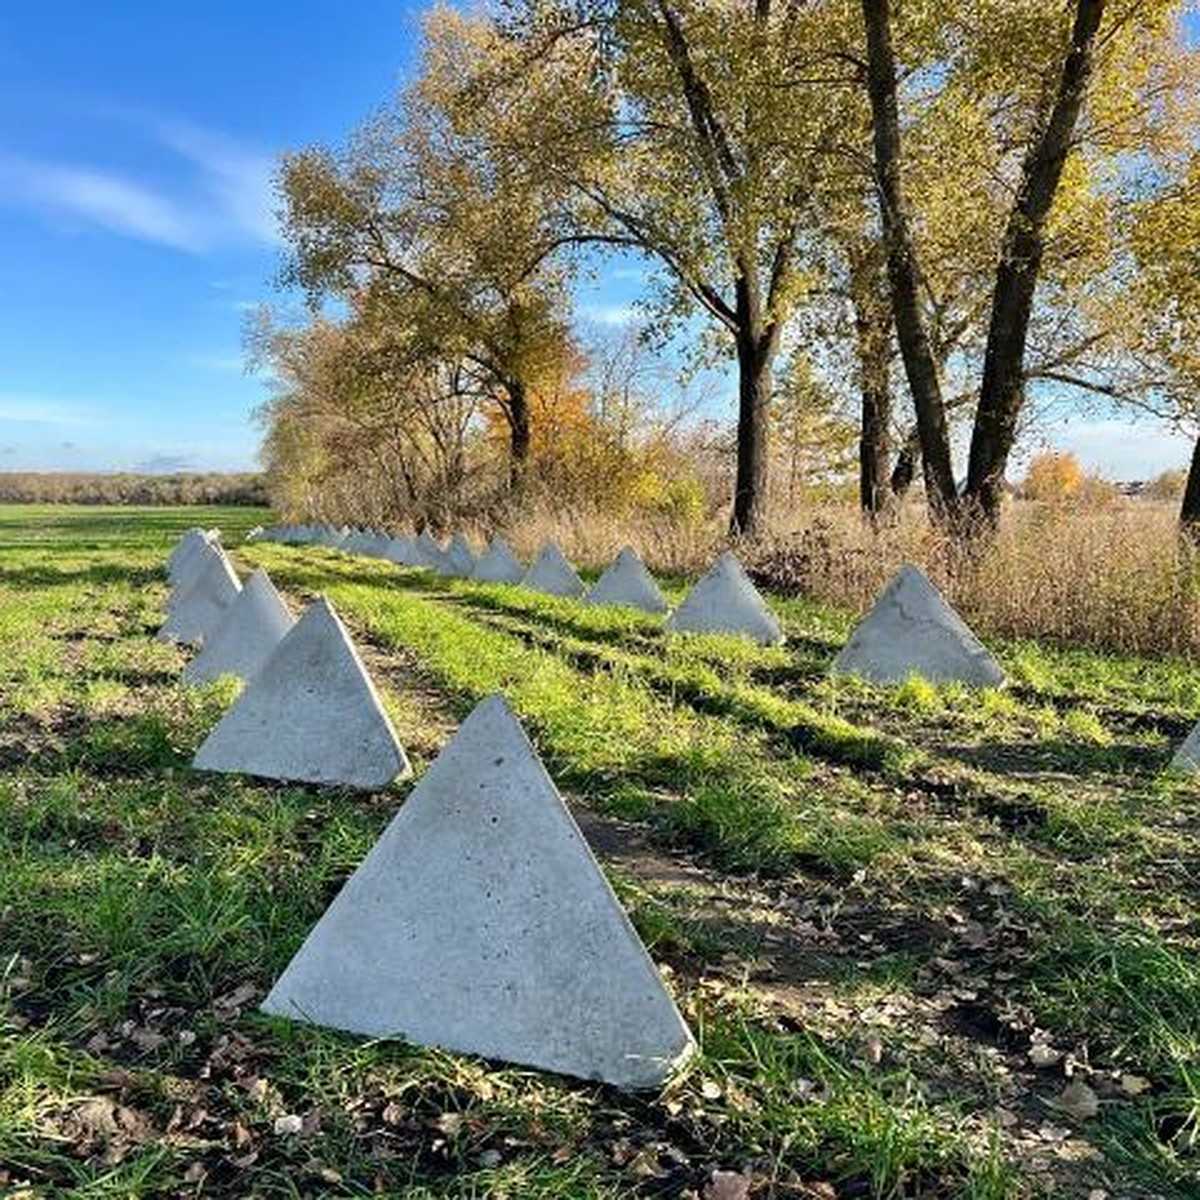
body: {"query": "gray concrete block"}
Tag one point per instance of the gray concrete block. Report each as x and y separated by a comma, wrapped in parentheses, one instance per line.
(1187, 757)
(460, 558)
(184, 564)
(498, 564)
(481, 923)
(429, 553)
(311, 714)
(199, 610)
(725, 601)
(403, 552)
(553, 574)
(628, 583)
(913, 631)
(186, 543)
(190, 570)
(253, 625)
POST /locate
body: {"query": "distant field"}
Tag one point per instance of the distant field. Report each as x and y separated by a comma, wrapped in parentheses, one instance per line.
(117, 526)
(934, 943)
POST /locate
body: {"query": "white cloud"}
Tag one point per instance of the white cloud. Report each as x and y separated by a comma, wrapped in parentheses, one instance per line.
(224, 193)
(239, 179)
(99, 198)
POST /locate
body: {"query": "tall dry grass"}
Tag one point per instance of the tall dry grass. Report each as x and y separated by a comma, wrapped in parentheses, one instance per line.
(1116, 577)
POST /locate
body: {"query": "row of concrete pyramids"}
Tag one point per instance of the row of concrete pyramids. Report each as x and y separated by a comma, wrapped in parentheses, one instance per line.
(911, 630)
(479, 922)
(723, 601)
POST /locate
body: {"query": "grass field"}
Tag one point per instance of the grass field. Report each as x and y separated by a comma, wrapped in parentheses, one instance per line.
(932, 943)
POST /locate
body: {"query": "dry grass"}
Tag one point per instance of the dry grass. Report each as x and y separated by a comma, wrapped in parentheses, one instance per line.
(1113, 577)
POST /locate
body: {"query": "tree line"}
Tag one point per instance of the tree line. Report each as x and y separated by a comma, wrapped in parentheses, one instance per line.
(82, 487)
(909, 226)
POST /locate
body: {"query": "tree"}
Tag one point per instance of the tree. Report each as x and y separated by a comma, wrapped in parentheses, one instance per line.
(1165, 317)
(1053, 476)
(674, 127)
(424, 219)
(1062, 98)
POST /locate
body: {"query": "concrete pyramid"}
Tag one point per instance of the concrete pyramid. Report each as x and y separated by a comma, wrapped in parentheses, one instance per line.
(498, 564)
(198, 610)
(1187, 757)
(429, 553)
(628, 582)
(253, 625)
(725, 601)
(913, 631)
(459, 558)
(402, 552)
(187, 557)
(310, 714)
(187, 543)
(552, 574)
(481, 923)
(190, 570)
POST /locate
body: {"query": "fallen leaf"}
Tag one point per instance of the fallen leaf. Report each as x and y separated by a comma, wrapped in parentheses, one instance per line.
(289, 1123)
(147, 1039)
(1042, 1054)
(449, 1123)
(1079, 1101)
(727, 1185)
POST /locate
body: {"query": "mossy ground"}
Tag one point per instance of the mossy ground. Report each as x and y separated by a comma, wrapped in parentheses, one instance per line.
(901, 921)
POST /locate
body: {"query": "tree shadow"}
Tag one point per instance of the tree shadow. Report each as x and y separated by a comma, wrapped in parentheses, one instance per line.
(38, 576)
(1059, 758)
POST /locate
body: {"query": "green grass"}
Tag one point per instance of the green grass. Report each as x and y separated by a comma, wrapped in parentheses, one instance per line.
(871, 903)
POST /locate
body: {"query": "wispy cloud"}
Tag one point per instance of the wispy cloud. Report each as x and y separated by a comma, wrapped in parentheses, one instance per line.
(99, 198)
(238, 178)
(222, 193)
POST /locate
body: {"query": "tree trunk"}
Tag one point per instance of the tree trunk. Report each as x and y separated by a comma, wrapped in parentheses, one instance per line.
(903, 269)
(755, 384)
(872, 333)
(520, 436)
(874, 450)
(1002, 393)
(905, 470)
(1189, 513)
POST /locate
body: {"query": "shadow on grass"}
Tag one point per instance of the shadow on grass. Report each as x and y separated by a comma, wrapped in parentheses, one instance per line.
(1060, 757)
(45, 575)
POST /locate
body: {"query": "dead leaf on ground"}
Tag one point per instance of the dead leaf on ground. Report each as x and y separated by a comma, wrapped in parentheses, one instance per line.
(1079, 1101)
(727, 1185)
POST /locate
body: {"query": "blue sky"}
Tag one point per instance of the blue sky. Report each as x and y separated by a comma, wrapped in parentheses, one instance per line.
(137, 142)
